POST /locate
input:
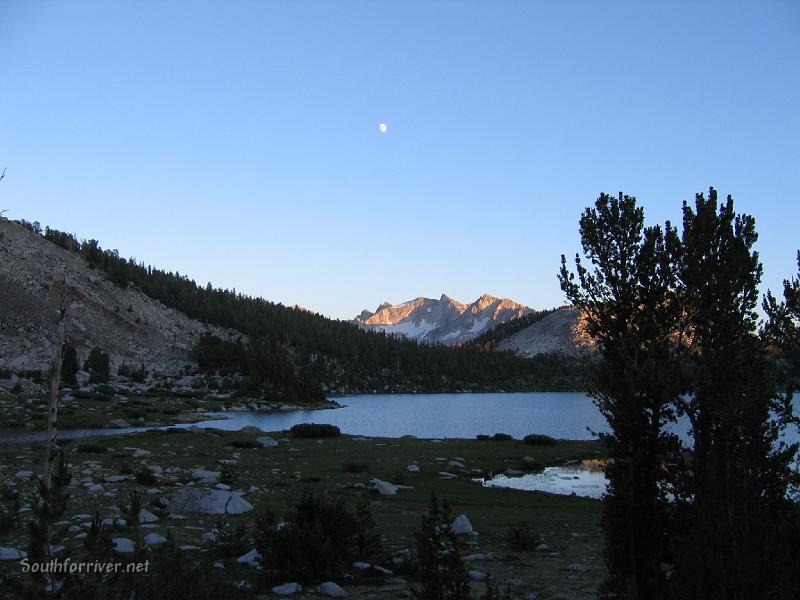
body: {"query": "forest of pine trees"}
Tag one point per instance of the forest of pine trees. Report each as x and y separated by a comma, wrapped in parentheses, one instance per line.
(297, 354)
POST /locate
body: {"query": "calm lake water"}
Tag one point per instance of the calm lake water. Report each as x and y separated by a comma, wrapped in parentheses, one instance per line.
(564, 415)
(559, 414)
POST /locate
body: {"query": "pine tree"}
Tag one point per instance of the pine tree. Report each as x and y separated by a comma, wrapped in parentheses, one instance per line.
(632, 315)
(735, 497)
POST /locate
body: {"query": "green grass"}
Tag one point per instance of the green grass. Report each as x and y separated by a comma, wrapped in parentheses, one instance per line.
(569, 525)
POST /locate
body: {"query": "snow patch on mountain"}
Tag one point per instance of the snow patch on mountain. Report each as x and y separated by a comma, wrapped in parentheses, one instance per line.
(445, 320)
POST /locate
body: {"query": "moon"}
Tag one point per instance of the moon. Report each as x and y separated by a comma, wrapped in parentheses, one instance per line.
(383, 127)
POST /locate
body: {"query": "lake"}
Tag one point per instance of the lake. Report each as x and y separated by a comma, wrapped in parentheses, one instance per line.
(565, 415)
(558, 414)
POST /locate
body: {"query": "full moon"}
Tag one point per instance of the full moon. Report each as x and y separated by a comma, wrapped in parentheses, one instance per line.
(383, 127)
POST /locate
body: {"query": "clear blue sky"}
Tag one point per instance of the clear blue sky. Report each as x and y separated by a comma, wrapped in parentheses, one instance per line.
(238, 143)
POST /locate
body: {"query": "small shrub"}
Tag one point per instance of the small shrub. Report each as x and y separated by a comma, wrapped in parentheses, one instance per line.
(227, 476)
(502, 437)
(92, 449)
(315, 430)
(350, 466)
(98, 366)
(125, 469)
(8, 520)
(98, 540)
(245, 444)
(16, 388)
(520, 536)
(145, 477)
(319, 539)
(399, 478)
(538, 439)
(442, 573)
(228, 542)
(134, 506)
(368, 540)
(483, 437)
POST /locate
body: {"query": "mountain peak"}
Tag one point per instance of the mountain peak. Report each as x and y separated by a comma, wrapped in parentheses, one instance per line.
(445, 320)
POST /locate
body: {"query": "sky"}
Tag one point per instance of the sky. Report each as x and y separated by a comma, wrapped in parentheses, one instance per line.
(238, 142)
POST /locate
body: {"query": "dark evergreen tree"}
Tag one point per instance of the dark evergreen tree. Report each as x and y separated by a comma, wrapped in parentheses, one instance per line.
(626, 296)
(735, 498)
(783, 329)
(98, 366)
(69, 366)
(442, 573)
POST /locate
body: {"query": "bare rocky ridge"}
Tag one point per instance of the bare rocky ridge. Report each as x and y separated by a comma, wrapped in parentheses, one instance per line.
(131, 327)
(561, 331)
(445, 320)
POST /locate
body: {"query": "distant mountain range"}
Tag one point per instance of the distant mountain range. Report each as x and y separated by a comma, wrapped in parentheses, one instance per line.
(445, 320)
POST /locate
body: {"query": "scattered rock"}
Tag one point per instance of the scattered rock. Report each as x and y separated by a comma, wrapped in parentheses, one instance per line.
(412, 468)
(151, 539)
(267, 442)
(476, 575)
(23, 474)
(461, 525)
(209, 502)
(577, 568)
(251, 558)
(203, 476)
(117, 424)
(12, 554)
(331, 589)
(384, 488)
(286, 589)
(122, 545)
(542, 548)
(145, 516)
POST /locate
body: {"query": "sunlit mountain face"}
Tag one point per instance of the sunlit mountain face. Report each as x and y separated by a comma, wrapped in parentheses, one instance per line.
(445, 320)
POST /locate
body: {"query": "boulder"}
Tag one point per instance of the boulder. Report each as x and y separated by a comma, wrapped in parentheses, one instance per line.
(209, 502)
(266, 442)
(412, 468)
(145, 516)
(123, 545)
(117, 424)
(23, 474)
(461, 525)
(476, 575)
(384, 488)
(115, 478)
(251, 558)
(12, 554)
(151, 539)
(204, 476)
(331, 589)
(577, 568)
(286, 589)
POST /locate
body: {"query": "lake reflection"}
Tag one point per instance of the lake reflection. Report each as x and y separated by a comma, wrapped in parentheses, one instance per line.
(557, 480)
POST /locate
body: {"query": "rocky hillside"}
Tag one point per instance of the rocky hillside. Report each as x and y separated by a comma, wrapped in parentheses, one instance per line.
(445, 320)
(561, 331)
(125, 323)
